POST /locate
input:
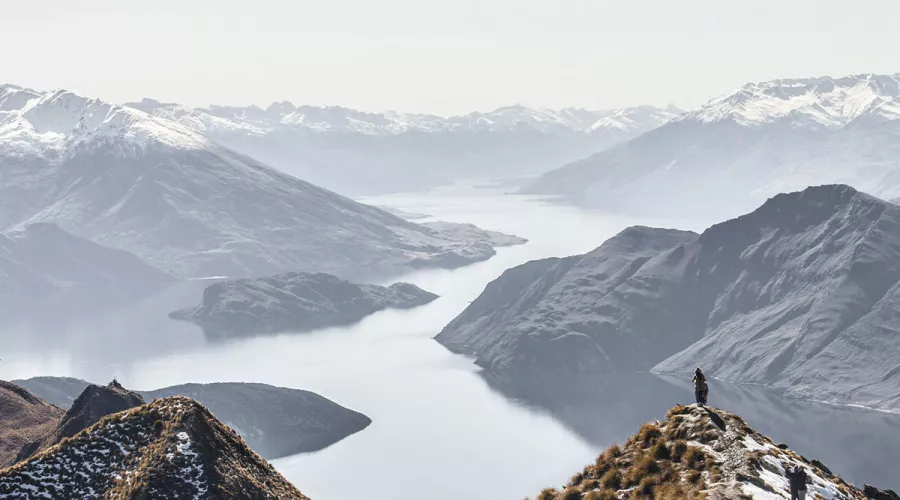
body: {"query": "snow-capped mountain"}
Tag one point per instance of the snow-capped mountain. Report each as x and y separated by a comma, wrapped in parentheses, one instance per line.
(189, 206)
(60, 124)
(356, 153)
(741, 148)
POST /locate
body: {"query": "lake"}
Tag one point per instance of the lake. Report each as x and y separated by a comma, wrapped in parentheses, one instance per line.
(442, 428)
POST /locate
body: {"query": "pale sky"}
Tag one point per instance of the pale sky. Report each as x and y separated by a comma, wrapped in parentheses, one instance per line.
(443, 57)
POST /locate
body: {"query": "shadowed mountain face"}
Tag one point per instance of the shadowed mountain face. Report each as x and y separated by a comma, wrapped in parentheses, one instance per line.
(861, 446)
(172, 447)
(801, 290)
(43, 267)
(94, 403)
(294, 302)
(275, 421)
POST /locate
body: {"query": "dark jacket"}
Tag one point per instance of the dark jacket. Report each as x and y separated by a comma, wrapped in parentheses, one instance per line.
(700, 382)
(798, 480)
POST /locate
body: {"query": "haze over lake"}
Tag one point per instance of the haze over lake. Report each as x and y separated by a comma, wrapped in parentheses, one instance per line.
(441, 427)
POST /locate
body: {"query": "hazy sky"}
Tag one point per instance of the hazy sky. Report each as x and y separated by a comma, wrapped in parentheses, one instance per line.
(438, 56)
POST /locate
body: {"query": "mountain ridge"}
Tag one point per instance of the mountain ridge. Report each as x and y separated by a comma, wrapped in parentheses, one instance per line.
(703, 452)
(170, 447)
(803, 289)
(194, 208)
(743, 147)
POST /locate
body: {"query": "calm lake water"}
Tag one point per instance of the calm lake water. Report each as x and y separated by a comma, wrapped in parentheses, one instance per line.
(442, 428)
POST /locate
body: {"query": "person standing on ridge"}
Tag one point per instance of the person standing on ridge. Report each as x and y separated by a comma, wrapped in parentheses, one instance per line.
(797, 477)
(701, 389)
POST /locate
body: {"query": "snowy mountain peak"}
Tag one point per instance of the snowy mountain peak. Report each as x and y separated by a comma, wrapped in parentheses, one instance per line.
(61, 123)
(812, 102)
(285, 115)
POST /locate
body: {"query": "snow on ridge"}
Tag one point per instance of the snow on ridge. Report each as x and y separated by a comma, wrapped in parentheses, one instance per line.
(812, 102)
(60, 123)
(281, 115)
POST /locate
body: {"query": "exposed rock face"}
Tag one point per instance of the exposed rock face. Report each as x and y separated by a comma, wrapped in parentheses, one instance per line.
(294, 302)
(591, 312)
(700, 453)
(171, 448)
(804, 289)
(275, 421)
(24, 419)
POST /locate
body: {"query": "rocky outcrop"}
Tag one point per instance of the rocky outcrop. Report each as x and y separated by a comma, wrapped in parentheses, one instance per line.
(275, 421)
(698, 453)
(806, 288)
(294, 302)
(94, 403)
(171, 448)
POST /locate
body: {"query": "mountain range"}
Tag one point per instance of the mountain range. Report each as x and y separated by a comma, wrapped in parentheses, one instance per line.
(800, 291)
(743, 147)
(361, 153)
(187, 205)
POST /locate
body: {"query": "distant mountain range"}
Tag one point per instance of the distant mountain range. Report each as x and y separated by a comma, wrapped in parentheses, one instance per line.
(190, 207)
(359, 153)
(738, 149)
(804, 289)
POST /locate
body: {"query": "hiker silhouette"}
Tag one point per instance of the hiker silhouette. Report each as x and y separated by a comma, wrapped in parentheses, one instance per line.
(701, 388)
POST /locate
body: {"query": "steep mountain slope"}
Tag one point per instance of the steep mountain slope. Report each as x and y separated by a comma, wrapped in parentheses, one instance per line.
(581, 313)
(698, 453)
(738, 149)
(294, 302)
(359, 153)
(275, 421)
(171, 448)
(131, 181)
(24, 418)
(94, 403)
(44, 267)
(804, 289)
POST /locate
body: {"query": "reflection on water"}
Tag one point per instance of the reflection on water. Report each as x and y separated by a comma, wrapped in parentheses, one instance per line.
(441, 429)
(859, 445)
